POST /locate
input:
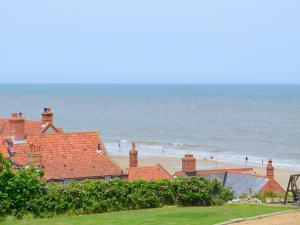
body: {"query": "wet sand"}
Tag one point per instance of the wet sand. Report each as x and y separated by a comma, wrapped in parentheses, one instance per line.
(174, 164)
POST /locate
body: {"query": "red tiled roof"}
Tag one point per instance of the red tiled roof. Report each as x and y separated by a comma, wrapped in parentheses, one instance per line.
(3, 150)
(32, 127)
(69, 156)
(62, 155)
(50, 126)
(155, 172)
(274, 186)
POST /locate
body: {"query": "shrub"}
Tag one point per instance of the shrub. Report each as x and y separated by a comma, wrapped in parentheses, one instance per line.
(25, 191)
(268, 194)
(18, 190)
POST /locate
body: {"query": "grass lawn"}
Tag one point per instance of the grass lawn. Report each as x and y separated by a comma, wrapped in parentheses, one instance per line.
(167, 215)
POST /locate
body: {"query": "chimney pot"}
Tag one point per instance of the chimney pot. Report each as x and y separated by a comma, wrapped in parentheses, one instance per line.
(47, 116)
(47, 110)
(133, 156)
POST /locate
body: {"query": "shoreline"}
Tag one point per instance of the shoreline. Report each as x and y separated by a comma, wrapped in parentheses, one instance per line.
(173, 164)
(155, 149)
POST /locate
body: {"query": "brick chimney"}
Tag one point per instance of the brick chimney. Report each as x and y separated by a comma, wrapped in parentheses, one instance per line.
(47, 116)
(188, 163)
(270, 170)
(17, 126)
(34, 157)
(133, 156)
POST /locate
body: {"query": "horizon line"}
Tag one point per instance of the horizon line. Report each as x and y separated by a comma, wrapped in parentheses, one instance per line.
(152, 83)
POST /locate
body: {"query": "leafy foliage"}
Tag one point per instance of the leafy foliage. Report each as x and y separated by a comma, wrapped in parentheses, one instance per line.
(268, 194)
(25, 191)
(19, 189)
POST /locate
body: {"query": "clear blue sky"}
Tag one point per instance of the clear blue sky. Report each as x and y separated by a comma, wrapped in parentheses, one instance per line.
(242, 41)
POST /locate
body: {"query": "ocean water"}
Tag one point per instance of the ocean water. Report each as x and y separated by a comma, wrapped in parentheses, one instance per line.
(226, 122)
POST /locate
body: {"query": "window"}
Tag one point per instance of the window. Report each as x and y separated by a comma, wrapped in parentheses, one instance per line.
(67, 181)
(107, 178)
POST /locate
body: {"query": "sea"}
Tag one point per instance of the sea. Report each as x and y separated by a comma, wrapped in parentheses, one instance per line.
(221, 122)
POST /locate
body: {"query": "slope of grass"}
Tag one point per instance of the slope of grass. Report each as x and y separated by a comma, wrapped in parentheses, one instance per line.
(167, 215)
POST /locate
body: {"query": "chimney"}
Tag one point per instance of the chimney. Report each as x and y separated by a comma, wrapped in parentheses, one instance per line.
(270, 170)
(35, 156)
(133, 156)
(17, 126)
(188, 163)
(47, 116)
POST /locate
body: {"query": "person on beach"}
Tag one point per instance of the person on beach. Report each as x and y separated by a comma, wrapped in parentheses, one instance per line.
(246, 160)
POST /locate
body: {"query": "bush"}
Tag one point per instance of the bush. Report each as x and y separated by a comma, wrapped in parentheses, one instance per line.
(19, 189)
(25, 191)
(268, 194)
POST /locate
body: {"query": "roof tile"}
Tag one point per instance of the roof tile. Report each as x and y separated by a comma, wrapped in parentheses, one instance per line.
(69, 155)
(155, 172)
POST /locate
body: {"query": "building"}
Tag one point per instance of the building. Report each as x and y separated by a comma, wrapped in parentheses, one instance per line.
(240, 180)
(135, 172)
(63, 155)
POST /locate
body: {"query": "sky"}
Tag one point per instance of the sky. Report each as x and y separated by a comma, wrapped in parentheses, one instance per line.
(150, 41)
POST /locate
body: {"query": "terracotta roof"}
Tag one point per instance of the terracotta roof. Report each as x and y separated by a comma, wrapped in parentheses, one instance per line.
(274, 186)
(50, 128)
(32, 127)
(69, 156)
(72, 155)
(3, 149)
(155, 172)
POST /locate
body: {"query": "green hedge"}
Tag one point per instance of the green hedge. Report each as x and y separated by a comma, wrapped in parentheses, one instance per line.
(18, 189)
(25, 192)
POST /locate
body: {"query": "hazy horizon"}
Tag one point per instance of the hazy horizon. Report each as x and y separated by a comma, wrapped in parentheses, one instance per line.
(147, 83)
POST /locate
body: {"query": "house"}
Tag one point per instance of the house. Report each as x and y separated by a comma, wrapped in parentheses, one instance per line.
(63, 155)
(240, 180)
(135, 172)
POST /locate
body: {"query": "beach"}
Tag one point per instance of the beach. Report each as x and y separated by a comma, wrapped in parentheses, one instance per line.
(173, 164)
(227, 122)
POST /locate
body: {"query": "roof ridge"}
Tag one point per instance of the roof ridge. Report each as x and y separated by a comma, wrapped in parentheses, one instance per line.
(28, 120)
(250, 174)
(161, 167)
(68, 133)
(142, 167)
(242, 169)
(124, 171)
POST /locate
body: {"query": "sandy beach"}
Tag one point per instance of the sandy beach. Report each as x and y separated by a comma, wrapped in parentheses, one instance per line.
(290, 218)
(173, 164)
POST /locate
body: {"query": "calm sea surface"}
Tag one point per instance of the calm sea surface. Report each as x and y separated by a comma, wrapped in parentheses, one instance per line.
(227, 122)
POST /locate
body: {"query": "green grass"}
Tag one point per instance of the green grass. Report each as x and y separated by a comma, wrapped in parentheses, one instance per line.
(167, 215)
